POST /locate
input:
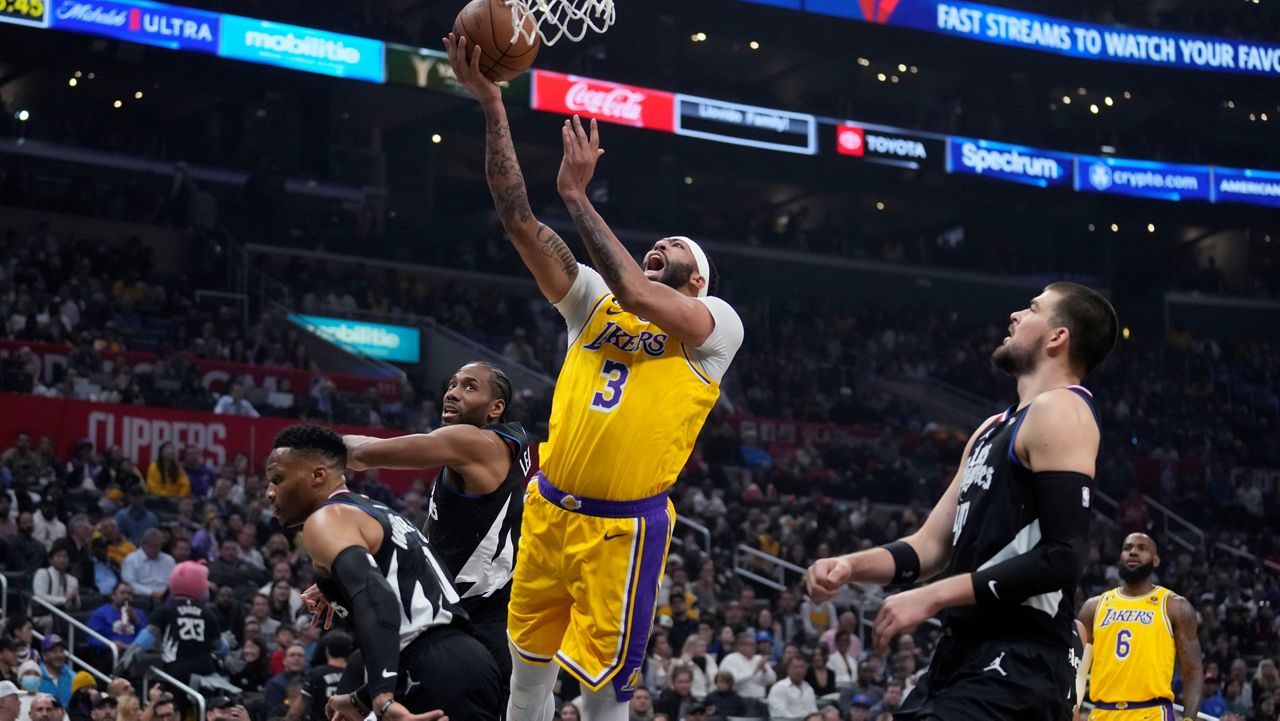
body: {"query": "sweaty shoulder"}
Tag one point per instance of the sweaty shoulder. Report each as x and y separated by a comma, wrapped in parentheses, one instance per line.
(718, 350)
(583, 295)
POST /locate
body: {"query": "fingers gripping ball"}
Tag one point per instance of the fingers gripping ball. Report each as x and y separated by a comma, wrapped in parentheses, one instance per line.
(489, 24)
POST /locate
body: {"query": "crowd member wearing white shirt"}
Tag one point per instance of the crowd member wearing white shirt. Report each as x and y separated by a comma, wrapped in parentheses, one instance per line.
(844, 660)
(792, 697)
(234, 403)
(752, 673)
(147, 569)
(47, 526)
(55, 584)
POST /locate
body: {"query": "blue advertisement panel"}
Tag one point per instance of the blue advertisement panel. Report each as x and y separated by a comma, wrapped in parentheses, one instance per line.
(299, 48)
(1142, 178)
(376, 340)
(139, 21)
(1239, 185)
(1013, 163)
(1031, 31)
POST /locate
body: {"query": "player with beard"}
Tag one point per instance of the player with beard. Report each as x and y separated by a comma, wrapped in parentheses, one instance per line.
(474, 518)
(1008, 539)
(647, 349)
(1135, 631)
(379, 573)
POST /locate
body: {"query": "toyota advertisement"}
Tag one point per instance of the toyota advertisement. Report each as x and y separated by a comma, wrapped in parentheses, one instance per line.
(139, 21)
(1142, 178)
(605, 101)
(886, 146)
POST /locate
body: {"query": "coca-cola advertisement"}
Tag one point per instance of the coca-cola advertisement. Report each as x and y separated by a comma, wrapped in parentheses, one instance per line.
(605, 101)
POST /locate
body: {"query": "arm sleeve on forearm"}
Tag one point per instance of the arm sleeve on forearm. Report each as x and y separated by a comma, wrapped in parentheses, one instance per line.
(375, 614)
(1057, 560)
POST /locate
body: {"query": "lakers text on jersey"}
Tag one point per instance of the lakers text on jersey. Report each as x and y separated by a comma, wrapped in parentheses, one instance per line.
(1133, 648)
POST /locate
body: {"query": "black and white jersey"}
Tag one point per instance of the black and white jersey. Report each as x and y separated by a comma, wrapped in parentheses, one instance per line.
(478, 536)
(417, 576)
(995, 521)
(188, 631)
(320, 686)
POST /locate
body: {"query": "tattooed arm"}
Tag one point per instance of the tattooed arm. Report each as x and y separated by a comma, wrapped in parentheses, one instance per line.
(544, 253)
(685, 318)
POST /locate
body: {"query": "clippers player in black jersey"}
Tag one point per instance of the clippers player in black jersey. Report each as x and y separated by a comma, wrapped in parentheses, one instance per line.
(478, 498)
(1008, 539)
(379, 573)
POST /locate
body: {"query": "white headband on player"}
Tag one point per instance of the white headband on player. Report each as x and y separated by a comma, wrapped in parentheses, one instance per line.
(699, 257)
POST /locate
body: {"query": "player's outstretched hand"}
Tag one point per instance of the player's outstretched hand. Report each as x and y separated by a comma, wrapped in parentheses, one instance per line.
(826, 577)
(465, 59)
(581, 151)
(901, 613)
(318, 605)
(397, 712)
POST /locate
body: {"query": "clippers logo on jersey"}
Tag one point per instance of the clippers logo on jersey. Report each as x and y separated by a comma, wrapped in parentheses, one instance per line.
(977, 472)
(1115, 615)
(613, 334)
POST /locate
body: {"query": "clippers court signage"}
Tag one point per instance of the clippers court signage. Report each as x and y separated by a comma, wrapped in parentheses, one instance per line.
(605, 101)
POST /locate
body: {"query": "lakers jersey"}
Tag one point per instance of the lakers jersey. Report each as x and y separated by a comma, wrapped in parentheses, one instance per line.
(1133, 648)
(630, 399)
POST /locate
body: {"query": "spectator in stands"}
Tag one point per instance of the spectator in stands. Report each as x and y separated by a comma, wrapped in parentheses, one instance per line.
(1213, 704)
(53, 584)
(128, 708)
(751, 672)
(84, 469)
(46, 706)
(659, 660)
(230, 614)
(295, 665)
(230, 570)
(9, 661)
(892, 701)
(106, 573)
(148, 569)
(10, 703)
(20, 459)
(165, 476)
(820, 676)
(701, 664)
(117, 545)
(8, 526)
(860, 707)
(724, 701)
(118, 619)
(249, 668)
(843, 662)
(792, 697)
(29, 677)
(18, 628)
(80, 547)
(249, 553)
(104, 708)
(26, 554)
(260, 613)
(234, 403)
(569, 712)
(200, 473)
(640, 708)
(46, 526)
(119, 471)
(817, 617)
(135, 519)
(55, 676)
(677, 697)
(281, 602)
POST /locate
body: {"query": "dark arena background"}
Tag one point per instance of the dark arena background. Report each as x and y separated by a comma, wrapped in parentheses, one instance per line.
(221, 217)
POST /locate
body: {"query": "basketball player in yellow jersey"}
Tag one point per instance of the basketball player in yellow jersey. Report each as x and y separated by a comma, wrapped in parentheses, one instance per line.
(648, 347)
(1134, 632)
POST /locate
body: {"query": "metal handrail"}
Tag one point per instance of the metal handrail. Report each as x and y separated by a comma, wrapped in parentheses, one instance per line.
(1240, 553)
(4, 595)
(76, 660)
(195, 695)
(1169, 514)
(73, 623)
(699, 529)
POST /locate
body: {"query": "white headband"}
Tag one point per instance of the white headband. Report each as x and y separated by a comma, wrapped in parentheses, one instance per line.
(699, 257)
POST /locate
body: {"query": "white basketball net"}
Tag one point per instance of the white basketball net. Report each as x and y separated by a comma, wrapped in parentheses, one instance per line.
(554, 19)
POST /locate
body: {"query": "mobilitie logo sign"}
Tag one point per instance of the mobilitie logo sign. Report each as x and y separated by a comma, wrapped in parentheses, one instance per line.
(299, 48)
(1014, 163)
(1142, 178)
(397, 343)
(1240, 185)
(139, 21)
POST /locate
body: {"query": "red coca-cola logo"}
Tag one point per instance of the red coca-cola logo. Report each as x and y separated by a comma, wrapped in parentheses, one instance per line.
(605, 101)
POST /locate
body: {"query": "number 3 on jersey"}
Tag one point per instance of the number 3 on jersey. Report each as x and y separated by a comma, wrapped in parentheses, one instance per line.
(615, 377)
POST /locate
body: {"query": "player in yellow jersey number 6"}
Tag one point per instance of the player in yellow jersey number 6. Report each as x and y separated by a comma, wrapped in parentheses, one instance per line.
(648, 347)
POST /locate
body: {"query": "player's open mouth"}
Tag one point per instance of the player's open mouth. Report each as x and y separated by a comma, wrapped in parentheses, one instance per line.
(452, 410)
(654, 261)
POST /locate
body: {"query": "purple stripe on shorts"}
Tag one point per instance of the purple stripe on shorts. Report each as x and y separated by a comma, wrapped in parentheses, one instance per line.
(657, 527)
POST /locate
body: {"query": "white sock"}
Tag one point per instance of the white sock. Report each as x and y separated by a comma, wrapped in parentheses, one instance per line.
(531, 687)
(603, 705)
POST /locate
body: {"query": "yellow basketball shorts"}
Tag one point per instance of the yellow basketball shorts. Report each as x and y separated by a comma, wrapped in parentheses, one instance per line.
(1160, 710)
(586, 583)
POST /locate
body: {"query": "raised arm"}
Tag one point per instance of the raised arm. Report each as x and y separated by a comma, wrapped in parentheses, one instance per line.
(1187, 640)
(544, 253)
(686, 319)
(481, 456)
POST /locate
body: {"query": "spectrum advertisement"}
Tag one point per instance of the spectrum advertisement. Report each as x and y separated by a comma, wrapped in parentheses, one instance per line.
(299, 48)
(376, 340)
(1012, 163)
(1142, 178)
(1031, 31)
(747, 125)
(139, 21)
(1237, 185)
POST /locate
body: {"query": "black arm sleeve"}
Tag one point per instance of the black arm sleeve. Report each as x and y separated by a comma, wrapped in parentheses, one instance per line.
(1056, 562)
(375, 615)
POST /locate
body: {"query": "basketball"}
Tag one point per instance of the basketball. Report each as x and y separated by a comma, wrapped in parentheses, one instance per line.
(489, 24)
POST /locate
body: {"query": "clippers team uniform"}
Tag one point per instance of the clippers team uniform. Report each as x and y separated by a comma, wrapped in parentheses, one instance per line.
(1131, 678)
(189, 636)
(321, 685)
(442, 666)
(1002, 662)
(629, 404)
(478, 538)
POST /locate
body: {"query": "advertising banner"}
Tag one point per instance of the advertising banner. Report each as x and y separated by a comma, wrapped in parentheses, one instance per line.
(141, 430)
(139, 21)
(430, 69)
(34, 13)
(605, 101)
(747, 125)
(1012, 163)
(299, 48)
(215, 373)
(1239, 185)
(397, 343)
(1142, 178)
(898, 148)
(1031, 31)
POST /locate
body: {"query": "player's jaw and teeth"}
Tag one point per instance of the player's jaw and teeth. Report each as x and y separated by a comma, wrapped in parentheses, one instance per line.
(669, 262)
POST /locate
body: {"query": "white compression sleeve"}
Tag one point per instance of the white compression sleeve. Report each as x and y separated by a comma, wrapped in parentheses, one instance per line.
(531, 688)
